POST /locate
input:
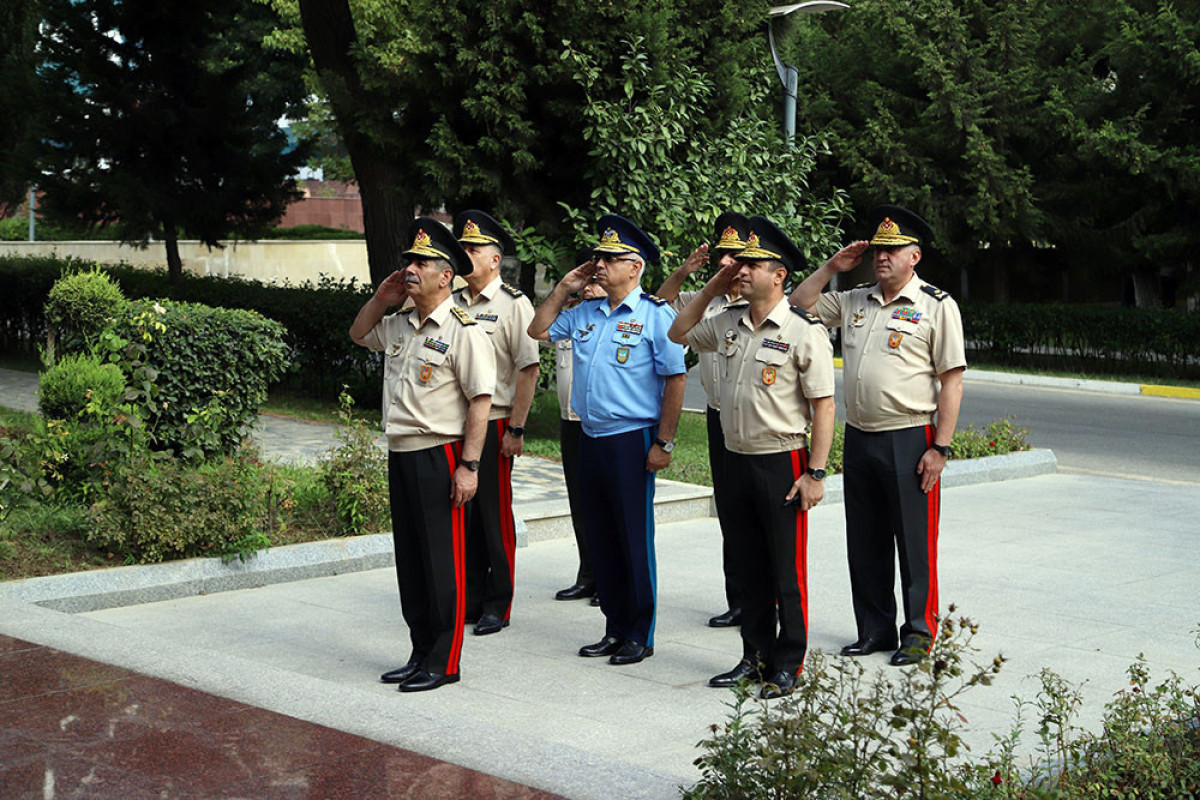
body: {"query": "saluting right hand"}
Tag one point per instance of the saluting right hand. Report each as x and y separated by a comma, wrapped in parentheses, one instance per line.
(392, 290)
(848, 257)
(577, 278)
(696, 260)
(725, 277)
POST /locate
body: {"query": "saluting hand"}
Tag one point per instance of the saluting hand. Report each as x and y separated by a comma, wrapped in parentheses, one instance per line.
(719, 284)
(392, 290)
(848, 257)
(696, 260)
(577, 278)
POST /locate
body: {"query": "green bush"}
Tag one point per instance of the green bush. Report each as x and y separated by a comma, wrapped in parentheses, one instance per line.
(159, 509)
(81, 306)
(355, 474)
(66, 389)
(309, 232)
(197, 374)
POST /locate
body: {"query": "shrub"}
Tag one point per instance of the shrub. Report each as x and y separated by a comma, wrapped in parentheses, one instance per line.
(81, 306)
(198, 374)
(355, 473)
(157, 509)
(65, 389)
(999, 437)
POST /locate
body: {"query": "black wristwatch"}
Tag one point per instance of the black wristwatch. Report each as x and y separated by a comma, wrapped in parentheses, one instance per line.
(815, 474)
(667, 445)
(471, 465)
(945, 450)
(516, 430)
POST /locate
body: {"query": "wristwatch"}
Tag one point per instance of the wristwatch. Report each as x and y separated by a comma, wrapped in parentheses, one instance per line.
(516, 430)
(815, 474)
(471, 465)
(667, 445)
(944, 449)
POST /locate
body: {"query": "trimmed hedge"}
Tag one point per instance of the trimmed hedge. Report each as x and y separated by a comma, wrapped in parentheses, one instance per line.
(317, 317)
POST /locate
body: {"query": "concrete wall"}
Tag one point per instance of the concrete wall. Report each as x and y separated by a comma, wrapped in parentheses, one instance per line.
(269, 262)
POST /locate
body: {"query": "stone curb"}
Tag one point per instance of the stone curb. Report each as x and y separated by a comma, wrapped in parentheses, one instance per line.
(79, 592)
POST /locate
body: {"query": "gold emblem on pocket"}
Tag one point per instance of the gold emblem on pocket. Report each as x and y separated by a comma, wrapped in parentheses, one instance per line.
(622, 355)
(895, 339)
(426, 373)
(769, 375)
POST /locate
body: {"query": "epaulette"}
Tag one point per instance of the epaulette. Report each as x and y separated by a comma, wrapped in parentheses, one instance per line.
(512, 290)
(653, 298)
(936, 293)
(462, 316)
(807, 316)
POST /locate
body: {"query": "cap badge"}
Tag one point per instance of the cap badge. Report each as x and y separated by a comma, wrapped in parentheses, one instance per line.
(887, 228)
(729, 238)
(610, 237)
(471, 228)
(422, 239)
(752, 241)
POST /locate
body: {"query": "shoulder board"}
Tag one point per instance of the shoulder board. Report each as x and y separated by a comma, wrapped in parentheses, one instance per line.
(936, 293)
(512, 290)
(462, 316)
(807, 316)
(653, 298)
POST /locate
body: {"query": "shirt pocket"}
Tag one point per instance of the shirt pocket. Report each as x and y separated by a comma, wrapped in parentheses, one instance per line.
(770, 364)
(728, 358)
(431, 368)
(625, 347)
(902, 334)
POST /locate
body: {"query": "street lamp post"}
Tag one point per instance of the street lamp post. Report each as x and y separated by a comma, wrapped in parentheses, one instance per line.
(788, 74)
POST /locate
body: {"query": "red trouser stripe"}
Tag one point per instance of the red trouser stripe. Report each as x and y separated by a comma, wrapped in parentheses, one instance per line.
(458, 530)
(508, 533)
(933, 509)
(799, 465)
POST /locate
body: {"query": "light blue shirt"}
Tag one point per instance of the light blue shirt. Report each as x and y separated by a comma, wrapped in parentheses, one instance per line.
(621, 358)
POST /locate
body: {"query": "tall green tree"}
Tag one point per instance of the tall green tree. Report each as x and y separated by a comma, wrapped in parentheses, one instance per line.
(163, 119)
(472, 104)
(19, 127)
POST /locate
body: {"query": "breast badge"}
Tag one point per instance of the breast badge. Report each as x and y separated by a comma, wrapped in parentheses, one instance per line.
(895, 339)
(769, 375)
(622, 355)
(858, 317)
(426, 373)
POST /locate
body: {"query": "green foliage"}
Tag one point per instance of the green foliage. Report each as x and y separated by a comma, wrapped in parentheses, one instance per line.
(998, 437)
(355, 474)
(157, 509)
(1085, 338)
(656, 166)
(310, 232)
(162, 120)
(844, 734)
(66, 388)
(198, 374)
(81, 306)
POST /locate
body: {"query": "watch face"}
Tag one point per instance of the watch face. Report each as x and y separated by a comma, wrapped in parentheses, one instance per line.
(668, 447)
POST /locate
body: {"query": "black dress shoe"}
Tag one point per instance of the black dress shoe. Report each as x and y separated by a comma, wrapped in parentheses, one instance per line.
(423, 681)
(489, 623)
(595, 600)
(730, 619)
(778, 685)
(867, 645)
(631, 653)
(912, 651)
(576, 592)
(742, 672)
(605, 647)
(400, 675)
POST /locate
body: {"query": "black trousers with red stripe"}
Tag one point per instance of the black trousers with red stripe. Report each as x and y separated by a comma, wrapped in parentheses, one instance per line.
(771, 563)
(886, 512)
(716, 463)
(491, 531)
(429, 537)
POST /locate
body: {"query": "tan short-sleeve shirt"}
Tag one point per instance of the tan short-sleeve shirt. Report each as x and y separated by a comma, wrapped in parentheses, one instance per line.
(893, 352)
(767, 375)
(504, 313)
(434, 369)
(707, 366)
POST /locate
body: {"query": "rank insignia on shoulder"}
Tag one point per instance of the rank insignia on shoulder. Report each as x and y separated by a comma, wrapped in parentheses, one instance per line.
(807, 316)
(653, 298)
(512, 291)
(936, 293)
(462, 316)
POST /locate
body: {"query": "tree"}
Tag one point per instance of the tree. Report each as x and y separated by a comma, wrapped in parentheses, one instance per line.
(19, 127)
(472, 105)
(163, 119)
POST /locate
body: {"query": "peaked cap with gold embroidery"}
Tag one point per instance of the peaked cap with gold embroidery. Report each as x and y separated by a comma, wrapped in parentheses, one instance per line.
(476, 227)
(894, 226)
(619, 235)
(432, 239)
(766, 242)
(731, 231)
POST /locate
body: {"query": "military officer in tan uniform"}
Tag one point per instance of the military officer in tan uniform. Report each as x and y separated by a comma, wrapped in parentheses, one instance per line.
(775, 375)
(902, 341)
(730, 239)
(504, 313)
(443, 372)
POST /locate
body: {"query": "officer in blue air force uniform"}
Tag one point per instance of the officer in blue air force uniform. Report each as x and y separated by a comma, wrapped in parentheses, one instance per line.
(628, 391)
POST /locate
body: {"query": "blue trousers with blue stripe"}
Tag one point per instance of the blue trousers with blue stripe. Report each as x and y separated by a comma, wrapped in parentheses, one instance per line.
(617, 499)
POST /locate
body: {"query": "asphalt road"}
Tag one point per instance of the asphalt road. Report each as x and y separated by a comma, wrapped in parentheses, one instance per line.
(1120, 435)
